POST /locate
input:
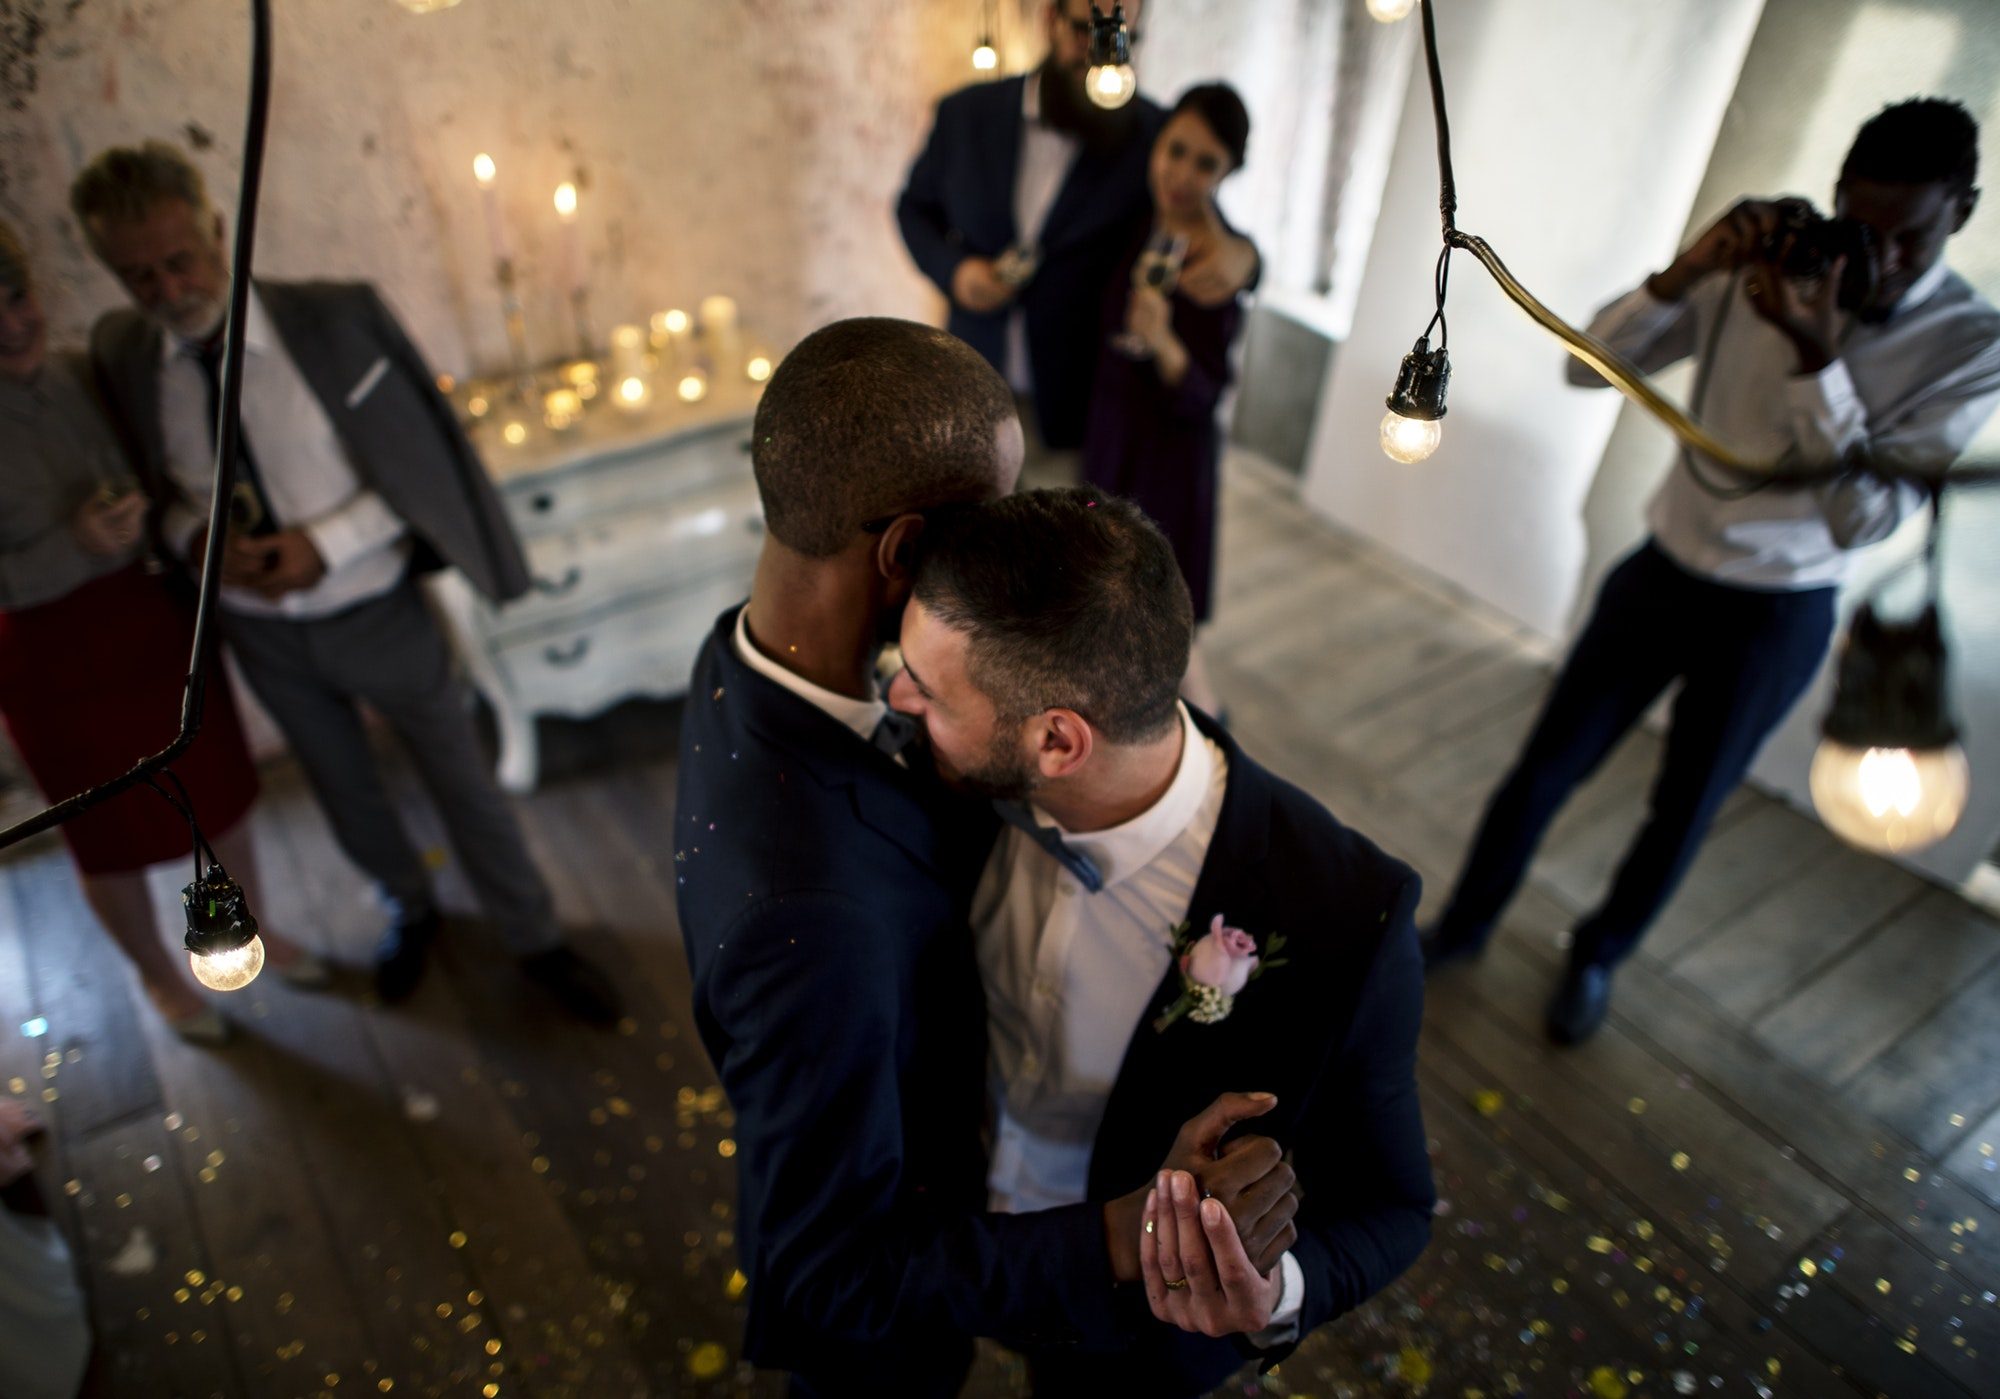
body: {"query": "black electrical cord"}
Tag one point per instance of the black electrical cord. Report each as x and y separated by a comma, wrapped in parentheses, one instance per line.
(1932, 476)
(228, 429)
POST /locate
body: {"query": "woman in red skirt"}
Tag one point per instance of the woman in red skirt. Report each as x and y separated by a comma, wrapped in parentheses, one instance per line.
(93, 651)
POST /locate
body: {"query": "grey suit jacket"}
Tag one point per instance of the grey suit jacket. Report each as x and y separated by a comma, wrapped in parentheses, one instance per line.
(402, 438)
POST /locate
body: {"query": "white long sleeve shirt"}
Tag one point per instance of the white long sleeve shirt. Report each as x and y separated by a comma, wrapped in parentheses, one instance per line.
(305, 473)
(1916, 385)
(1069, 976)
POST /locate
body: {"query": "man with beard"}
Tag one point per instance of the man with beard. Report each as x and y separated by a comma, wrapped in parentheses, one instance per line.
(822, 875)
(352, 478)
(1018, 209)
(1162, 917)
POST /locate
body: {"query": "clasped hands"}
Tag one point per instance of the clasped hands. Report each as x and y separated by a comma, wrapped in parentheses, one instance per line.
(1206, 1235)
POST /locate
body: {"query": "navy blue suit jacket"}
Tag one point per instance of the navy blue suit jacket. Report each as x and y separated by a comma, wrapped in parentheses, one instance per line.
(822, 891)
(959, 202)
(1333, 1033)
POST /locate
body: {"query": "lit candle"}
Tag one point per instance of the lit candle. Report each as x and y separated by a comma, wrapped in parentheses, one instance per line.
(561, 407)
(633, 393)
(718, 328)
(483, 170)
(628, 352)
(571, 236)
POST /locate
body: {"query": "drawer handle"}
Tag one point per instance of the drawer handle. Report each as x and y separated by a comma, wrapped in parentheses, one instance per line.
(556, 587)
(567, 655)
(542, 502)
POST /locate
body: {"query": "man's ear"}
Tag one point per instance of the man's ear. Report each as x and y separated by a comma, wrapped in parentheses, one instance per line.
(1967, 202)
(1064, 742)
(896, 550)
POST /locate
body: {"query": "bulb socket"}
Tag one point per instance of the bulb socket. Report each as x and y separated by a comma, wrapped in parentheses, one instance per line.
(218, 914)
(1891, 686)
(1420, 383)
(1110, 40)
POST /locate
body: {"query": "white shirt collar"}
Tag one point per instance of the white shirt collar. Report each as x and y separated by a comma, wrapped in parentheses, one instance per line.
(1122, 851)
(1923, 289)
(258, 332)
(860, 715)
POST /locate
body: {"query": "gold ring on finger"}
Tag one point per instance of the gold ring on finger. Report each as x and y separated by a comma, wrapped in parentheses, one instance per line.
(1176, 1284)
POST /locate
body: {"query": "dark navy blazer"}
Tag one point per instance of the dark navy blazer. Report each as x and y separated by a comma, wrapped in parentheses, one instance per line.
(822, 891)
(1333, 1033)
(959, 202)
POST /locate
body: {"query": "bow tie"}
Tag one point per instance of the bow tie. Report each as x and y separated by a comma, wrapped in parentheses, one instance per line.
(1080, 865)
(894, 732)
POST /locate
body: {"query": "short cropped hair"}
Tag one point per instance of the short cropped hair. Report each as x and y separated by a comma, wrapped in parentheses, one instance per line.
(1918, 142)
(872, 418)
(13, 261)
(122, 184)
(1072, 599)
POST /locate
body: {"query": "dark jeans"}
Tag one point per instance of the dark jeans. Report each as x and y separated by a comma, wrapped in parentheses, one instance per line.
(1743, 656)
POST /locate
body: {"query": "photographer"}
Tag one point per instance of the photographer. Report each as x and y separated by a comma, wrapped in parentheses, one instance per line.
(1810, 337)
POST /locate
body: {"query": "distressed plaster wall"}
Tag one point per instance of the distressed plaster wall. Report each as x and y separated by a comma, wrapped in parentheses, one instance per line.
(752, 148)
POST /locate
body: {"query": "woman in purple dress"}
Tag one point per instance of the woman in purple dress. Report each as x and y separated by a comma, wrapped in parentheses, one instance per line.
(1153, 436)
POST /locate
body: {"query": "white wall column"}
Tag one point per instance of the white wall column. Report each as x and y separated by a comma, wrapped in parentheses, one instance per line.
(1581, 132)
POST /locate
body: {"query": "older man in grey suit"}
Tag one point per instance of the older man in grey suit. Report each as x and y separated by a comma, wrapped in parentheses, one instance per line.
(354, 477)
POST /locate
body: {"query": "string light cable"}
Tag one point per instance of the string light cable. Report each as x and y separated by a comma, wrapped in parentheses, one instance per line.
(222, 936)
(1889, 774)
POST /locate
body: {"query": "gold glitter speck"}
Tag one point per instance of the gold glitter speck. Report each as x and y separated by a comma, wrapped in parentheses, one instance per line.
(458, 1238)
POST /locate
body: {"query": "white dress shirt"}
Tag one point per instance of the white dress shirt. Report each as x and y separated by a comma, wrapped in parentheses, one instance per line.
(1046, 156)
(305, 472)
(1070, 975)
(860, 715)
(1916, 385)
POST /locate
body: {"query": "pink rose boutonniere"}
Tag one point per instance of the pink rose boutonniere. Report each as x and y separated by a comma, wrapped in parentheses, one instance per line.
(1214, 970)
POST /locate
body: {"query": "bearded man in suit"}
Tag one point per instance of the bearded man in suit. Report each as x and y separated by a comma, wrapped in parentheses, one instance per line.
(1160, 920)
(353, 478)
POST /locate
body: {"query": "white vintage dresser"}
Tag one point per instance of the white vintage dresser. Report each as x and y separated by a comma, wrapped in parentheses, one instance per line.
(638, 531)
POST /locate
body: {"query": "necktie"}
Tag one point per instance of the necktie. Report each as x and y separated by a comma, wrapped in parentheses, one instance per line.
(1080, 865)
(894, 732)
(250, 512)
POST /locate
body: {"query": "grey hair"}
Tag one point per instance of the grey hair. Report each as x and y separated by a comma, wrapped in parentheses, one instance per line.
(122, 184)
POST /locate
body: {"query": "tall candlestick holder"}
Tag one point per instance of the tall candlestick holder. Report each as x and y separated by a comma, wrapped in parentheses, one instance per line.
(579, 307)
(521, 367)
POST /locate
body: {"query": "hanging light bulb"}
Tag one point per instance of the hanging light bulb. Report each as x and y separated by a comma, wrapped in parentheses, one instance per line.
(1889, 775)
(985, 58)
(1389, 11)
(1110, 81)
(1414, 424)
(224, 951)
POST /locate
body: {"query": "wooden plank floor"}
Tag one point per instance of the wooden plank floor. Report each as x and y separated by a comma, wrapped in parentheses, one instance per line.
(1774, 1172)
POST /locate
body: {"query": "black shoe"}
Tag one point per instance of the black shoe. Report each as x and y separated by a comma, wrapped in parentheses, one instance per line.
(585, 991)
(399, 957)
(1443, 949)
(1580, 1003)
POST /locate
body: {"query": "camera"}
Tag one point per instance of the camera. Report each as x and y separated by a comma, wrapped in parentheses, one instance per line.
(1805, 245)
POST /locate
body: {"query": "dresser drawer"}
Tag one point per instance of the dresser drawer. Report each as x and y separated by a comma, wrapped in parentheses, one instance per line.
(648, 648)
(636, 553)
(552, 501)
